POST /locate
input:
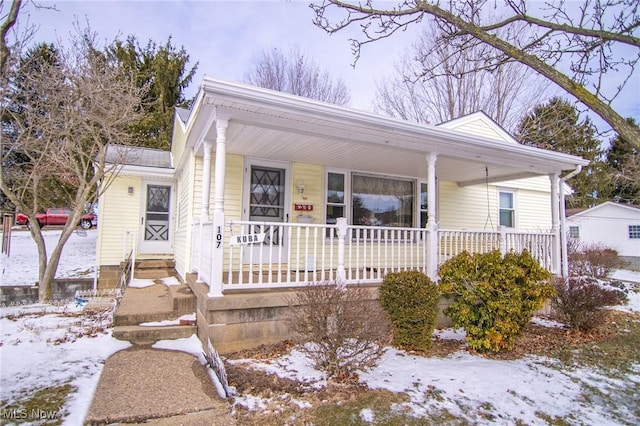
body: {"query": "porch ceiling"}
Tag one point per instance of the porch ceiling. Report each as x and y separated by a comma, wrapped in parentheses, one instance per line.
(272, 125)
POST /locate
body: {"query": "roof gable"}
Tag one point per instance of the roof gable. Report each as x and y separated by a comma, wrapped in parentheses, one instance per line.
(606, 205)
(479, 123)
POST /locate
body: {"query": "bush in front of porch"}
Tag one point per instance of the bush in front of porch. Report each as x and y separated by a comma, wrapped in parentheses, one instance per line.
(343, 328)
(494, 296)
(410, 300)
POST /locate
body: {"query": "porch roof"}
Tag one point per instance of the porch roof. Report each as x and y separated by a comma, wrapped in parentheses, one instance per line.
(278, 126)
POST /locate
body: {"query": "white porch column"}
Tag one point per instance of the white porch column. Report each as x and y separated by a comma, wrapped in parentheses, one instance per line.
(215, 287)
(206, 182)
(432, 226)
(558, 239)
(204, 200)
(341, 275)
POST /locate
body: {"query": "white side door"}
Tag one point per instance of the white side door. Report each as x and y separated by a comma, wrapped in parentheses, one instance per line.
(155, 223)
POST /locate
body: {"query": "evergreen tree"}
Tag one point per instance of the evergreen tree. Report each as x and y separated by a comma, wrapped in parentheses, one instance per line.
(556, 126)
(163, 71)
(22, 95)
(623, 158)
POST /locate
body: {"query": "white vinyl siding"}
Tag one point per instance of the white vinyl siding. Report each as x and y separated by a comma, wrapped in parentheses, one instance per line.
(609, 224)
(118, 212)
(311, 177)
(469, 207)
(233, 187)
(533, 211)
(182, 234)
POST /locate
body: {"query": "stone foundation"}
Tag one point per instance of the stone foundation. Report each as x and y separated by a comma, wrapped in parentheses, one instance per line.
(109, 276)
(248, 319)
(62, 289)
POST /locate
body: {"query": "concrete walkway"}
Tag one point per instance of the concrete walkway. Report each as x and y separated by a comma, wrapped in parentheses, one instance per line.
(156, 386)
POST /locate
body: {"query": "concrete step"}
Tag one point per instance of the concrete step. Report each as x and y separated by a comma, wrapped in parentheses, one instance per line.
(183, 299)
(155, 264)
(147, 335)
(153, 274)
(155, 303)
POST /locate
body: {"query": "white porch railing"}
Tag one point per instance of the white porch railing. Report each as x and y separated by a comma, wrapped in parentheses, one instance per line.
(294, 254)
(454, 242)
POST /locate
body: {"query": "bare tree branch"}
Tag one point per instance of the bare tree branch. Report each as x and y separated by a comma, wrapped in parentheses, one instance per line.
(584, 37)
(295, 73)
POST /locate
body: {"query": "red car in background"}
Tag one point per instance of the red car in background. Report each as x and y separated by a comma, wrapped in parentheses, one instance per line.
(56, 216)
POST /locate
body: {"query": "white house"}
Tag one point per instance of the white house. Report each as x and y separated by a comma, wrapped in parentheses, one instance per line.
(613, 225)
(264, 191)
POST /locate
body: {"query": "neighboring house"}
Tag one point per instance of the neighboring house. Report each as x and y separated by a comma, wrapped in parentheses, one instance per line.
(264, 191)
(613, 225)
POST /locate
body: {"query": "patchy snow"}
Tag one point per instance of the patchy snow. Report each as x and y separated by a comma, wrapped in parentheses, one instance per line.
(450, 334)
(45, 346)
(78, 259)
(625, 275)
(545, 322)
(169, 281)
(141, 282)
(367, 415)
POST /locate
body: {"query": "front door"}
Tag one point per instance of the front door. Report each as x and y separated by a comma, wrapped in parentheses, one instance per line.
(155, 233)
(266, 201)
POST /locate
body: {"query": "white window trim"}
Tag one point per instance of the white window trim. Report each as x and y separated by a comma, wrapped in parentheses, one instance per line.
(629, 232)
(348, 176)
(514, 193)
(347, 192)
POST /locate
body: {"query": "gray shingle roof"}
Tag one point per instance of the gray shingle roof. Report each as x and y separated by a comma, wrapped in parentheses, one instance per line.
(137, 156)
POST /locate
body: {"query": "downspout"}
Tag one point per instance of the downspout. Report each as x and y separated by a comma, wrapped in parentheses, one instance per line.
(563, 225)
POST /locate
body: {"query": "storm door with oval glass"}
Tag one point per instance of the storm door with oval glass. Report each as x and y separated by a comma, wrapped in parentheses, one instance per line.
(156, 220)
(266, 200)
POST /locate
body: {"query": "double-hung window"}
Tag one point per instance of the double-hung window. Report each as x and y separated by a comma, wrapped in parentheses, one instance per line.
(336, 201)
(507, 209)
(634, 232)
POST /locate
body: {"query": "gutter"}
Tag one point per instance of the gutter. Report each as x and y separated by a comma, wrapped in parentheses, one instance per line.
(563, 225)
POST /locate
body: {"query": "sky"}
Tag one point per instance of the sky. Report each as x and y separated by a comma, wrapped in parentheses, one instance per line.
(223, 37)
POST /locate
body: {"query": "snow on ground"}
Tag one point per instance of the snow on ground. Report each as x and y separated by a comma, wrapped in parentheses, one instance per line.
(78, 258)
(43, 346)
(631, 282)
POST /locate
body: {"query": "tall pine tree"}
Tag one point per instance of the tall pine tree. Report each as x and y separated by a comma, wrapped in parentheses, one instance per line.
(556, 126)
(623, 158)
(163, 70)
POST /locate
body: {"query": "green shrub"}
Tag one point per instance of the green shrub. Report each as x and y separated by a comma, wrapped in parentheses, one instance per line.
(410, 300)
(493, 297)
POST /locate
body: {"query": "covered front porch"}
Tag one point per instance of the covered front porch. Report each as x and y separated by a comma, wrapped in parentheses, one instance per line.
(454, 178)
